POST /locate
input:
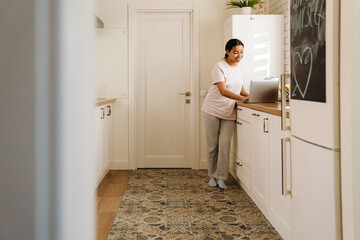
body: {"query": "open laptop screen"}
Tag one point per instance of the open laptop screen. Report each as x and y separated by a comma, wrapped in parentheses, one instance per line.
(264, 91)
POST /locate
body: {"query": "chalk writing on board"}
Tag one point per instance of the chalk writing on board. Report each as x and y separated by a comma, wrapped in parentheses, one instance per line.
(308, 50)
(306, 58)
(309, 15)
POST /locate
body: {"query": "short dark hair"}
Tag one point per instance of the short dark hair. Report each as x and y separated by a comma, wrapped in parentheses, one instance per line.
(232, 43)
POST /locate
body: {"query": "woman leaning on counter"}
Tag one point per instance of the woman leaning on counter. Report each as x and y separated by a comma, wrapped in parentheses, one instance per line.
(219, 111)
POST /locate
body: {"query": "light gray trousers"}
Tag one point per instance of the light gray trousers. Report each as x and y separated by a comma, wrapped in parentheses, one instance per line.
(218, 138)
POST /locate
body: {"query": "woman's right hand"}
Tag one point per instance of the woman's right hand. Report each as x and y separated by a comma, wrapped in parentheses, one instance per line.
(245, 98)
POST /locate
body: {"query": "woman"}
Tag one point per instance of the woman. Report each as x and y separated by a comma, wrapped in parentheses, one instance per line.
(219, 111)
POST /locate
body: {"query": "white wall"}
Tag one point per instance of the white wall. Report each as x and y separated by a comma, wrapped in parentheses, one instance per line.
(17, 118)
(46, 113)
(350, 117)
(282, 7)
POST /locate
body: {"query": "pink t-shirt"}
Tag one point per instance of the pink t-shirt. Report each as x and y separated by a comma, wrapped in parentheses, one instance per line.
(216, 104)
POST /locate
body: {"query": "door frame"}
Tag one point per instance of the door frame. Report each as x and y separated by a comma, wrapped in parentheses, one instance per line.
(134, 9)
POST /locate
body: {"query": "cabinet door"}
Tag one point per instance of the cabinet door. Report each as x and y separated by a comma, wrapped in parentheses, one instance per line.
(243, 141)
(260, 159)
(280, 207)
(232, 164)
(243, 173)
(103, 140)
(98, 141)
(108, 135)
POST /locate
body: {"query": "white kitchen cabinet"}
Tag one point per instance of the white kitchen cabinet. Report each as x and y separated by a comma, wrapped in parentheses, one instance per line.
(260, 159)
(242, 148)
(243, 173)
(256, 164)
(99, 148)
(108, 119)
(103, 141)
(279, 205)
(243, 143)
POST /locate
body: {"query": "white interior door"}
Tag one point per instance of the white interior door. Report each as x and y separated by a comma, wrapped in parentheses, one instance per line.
(163, 73)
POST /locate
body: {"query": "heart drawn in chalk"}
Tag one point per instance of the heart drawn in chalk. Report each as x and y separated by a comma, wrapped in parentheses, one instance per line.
(303, 64)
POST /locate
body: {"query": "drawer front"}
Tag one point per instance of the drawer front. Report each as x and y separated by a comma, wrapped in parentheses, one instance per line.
(242, 141)
(243, 173)
(244, 113)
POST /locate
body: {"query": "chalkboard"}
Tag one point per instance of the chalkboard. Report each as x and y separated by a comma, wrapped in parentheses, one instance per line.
(307, 41)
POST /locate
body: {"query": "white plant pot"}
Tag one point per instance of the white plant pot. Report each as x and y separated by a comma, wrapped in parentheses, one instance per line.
(245, 11)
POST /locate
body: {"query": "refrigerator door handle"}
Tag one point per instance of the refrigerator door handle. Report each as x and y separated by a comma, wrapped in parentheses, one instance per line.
(283, 77)
(284, 179)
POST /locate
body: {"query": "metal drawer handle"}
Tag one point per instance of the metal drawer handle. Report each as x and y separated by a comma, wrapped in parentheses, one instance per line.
(265, 131)
(103, 113)
(240, 109)
(256, 115)
(109, 110)
(239, 123)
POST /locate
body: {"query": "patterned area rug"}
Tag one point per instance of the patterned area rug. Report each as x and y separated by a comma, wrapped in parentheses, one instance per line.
(178, 204)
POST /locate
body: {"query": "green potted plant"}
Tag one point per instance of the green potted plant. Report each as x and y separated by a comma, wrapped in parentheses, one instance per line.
(245, 5)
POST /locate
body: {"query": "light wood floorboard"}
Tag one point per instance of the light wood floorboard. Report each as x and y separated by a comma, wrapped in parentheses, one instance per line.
(109, 194)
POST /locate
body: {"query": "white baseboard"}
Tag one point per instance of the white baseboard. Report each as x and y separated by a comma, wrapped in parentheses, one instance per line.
(119, 164)
(100, 178)
(203, 164)
(124, 164)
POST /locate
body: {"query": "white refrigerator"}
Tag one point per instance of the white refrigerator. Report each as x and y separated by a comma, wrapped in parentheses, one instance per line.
(312, 174)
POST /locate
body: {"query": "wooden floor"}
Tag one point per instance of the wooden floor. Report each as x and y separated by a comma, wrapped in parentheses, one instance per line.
(109, 194)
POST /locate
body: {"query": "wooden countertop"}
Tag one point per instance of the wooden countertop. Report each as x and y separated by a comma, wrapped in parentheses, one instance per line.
(102, 101)
(271, 108)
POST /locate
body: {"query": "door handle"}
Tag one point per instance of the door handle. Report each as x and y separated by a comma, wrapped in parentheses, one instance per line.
(109, 110)
(284, 127)
(284, 182)
(185, 93)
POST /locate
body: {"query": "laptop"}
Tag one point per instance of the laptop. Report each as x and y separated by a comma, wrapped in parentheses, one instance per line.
(263, 91)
